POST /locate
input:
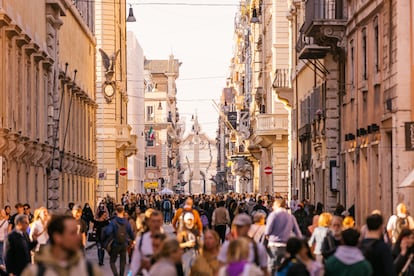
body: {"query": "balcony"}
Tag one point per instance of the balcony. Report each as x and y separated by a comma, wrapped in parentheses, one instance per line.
(272, 124)
(308, 49)
(324, 22)
(125, 141)
(283, 86)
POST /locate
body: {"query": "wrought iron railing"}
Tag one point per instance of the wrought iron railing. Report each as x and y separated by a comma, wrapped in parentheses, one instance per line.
(322, 10)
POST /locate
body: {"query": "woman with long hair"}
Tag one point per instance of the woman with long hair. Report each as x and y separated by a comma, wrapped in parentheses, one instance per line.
(207, 264)
(39, 227)
(237, 260)
(168, 257)
(319, 235)
(403, 253)
(99, 224)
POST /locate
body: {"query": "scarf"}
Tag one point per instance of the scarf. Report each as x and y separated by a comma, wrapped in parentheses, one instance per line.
(236, 268)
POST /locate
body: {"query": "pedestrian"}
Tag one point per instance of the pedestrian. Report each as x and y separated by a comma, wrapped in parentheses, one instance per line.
(398, 222)
(70, 208)
(319, 235)
(39, 227)
(177, 221)
(27, 212)
(333, 238)
(99, 225)
(240, 229)
(169, 256)
(257, 230)
(279, 227)
(237, 260)
(166, 207)
(348, 259)
(293, 264)
(19, 211)
(143, 250)
(402, 253)
(206, 264)
(120, 234)
(375, 250)
(62, 256)
(77, 214)
(259, 207)
(102, 207)
(4, 227)
(348, 222)
(7, 209)
(221, 220)
(87, 215)
(18, 246)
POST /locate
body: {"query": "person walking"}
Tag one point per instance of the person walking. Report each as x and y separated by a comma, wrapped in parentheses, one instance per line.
(319, 235)
(166, 207)
(77, 215)
(333, 238)
(279, 227)
(375, 250)
(120, 234)
(39, 227)
(348, 259)
(19, 211)
(398, 222)
(206, 263)
(220, 220)
(240, 229)
(167, 259)
(237, 260)
(62, 256)
(4, 228)
(143, 250)
(18, 246)
(99, 224)
(257, 229)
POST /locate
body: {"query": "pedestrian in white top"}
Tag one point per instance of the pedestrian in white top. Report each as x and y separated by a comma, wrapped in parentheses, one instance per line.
(144, 251)
(398, 222)
(39, 227)
(4, 226)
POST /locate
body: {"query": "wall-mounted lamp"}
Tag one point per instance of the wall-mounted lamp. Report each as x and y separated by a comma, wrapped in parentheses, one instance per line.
(254, 18)
(131, 17)
(159, 106)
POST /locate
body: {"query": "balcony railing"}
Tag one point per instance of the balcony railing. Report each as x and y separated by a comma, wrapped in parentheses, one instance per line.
(272, 124)
(322, 10)
(282, 78)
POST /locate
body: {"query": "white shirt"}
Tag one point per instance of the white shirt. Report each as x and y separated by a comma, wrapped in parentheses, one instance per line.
(3, 229)
(141, 251)
(39, 228)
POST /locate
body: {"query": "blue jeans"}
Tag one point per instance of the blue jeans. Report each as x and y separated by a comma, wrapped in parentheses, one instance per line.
(167, 216)
(274, 261)
(101, 252)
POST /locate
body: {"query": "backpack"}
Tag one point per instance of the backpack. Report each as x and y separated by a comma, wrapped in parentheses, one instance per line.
(121, 234)
(166, 205)
(204, 220)
(41, 268)
(400, 224)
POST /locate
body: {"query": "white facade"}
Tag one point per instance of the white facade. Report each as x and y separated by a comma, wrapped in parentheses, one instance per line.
(136, 109)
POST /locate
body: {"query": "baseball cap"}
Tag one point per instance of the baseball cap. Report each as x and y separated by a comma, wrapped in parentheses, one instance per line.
(242, 220)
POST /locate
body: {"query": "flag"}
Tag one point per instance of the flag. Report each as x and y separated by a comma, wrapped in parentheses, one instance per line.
(151, 134)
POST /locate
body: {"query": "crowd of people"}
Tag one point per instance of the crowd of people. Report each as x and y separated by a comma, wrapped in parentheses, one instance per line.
(223, 234)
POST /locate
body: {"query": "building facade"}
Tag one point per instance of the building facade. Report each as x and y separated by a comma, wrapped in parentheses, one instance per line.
(257, 118)
(47, 103)
(163, 132)
(377, 107)
(114, 139)
(136, 112)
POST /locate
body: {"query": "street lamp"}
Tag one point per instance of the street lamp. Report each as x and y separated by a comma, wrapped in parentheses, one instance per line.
(131, 17)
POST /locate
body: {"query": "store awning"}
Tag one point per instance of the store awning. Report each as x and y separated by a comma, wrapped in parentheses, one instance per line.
(408, 181)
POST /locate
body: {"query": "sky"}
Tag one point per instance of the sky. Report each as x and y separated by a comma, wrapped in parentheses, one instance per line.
(201, 37)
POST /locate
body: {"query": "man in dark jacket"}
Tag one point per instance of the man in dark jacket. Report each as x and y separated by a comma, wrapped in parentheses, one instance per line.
(120, 231)
(375, 250)
(18, 246)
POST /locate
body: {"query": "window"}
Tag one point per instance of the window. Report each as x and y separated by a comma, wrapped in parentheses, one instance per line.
(376, 46)
(149, 140)
(150, 113)
(151, 161)
(364, 54)
(352, 61)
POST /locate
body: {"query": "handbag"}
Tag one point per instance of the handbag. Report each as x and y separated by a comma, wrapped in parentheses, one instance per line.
(92, 236)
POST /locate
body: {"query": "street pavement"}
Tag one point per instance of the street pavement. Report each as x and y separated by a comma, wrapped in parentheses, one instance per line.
(92, 254)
